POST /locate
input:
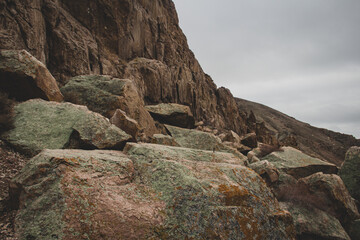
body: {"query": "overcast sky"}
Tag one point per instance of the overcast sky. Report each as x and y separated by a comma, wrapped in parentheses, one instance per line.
(301, 57)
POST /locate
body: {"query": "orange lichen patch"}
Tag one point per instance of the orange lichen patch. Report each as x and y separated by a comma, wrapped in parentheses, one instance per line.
(234, 195)
(66, 161)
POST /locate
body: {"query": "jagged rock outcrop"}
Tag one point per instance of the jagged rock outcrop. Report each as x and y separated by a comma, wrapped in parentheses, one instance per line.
(273, 127)
(106, 94)
(23, 77)
(42, 125)
(312, 223)
(173, 114)
(350, 172)
(153, 192)
(298, 164)
(139, 40)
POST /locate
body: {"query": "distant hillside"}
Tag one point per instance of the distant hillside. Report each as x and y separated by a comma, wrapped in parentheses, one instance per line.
(325, 144)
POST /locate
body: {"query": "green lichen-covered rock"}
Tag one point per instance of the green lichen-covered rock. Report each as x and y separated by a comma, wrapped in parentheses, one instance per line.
(298, 164)
(157, 151)
(190, 138)
(49, 125)
(150, 193)
(312, 223)
(173, 114)
(105, 94)
(78, 194)
(24, 77)
(207, 197)
(163, 140)
(350, 172)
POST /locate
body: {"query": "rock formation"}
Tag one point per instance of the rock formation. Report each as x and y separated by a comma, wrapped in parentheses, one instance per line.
(90, 179)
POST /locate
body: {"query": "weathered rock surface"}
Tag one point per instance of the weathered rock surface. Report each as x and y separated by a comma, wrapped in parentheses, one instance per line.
(328, 193)
(209, 198)
(23, 77)
(105, 94)
(104, 195)
(136, 39)
(67, 194)
(164, 140)
(40, 125)
(312, 223)
(249, 140)
(270, 125)
(298, 164)
(350, 172)
(266, 170)
(122, 121)
(173, 114)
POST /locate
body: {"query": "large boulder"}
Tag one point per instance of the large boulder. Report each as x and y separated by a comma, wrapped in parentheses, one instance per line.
(350, 172)
(105, 94)
(173, 114)
(67, 194)
(266, 170)
(312, 223)
(208, 196)
(40, 124)
(328, 193)
(23, 77)
(298, 164)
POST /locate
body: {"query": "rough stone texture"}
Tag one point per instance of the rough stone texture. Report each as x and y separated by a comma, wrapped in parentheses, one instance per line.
(274, 127)
(312, 223)
(78, 194)
(173, 114)
(298, 164)
(164, 140)
(249, 140)
(105, 94)
(23, 77)
(328, 193)
(138, 39)
(266, 170)
(67, 194)
(40, 124)
(350, 172)
(209, 199)
(232, 137)
(190, 138)
(156, 151)
(122, 121)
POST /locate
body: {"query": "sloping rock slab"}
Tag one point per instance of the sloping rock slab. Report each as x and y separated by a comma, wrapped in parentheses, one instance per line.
(23, 77)
(164, 140)
(49, 125)
(105, 94)
(312, 223)
(157, 151)
(208, 199)
(298, 164)
(173, 114)
(350, 172)
(190, 138)
(78, 194)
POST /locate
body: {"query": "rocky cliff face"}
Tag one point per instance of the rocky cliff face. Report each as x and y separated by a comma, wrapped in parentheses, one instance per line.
(139, 40)
(273, 126)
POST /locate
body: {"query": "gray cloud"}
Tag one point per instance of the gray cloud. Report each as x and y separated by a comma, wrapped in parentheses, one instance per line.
(300, 57)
